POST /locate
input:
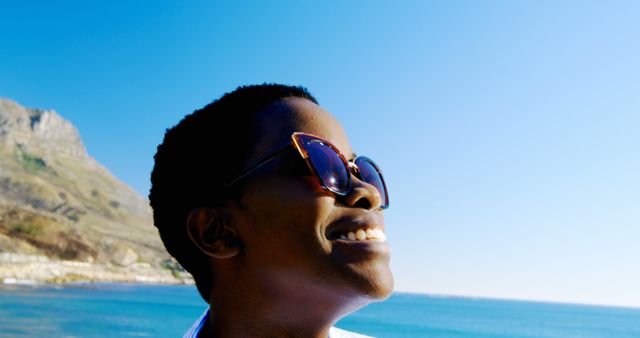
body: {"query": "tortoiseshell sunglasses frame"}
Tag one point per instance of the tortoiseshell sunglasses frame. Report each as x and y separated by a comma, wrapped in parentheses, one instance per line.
(298, 141)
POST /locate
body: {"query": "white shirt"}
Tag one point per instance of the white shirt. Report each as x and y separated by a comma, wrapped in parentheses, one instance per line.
(334, 332)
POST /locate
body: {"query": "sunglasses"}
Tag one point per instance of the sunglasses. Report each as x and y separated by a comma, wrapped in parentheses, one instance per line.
(328, 165)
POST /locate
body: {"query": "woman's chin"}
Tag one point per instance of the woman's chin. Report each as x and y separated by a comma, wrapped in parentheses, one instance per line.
(378, 286)
(383, 288)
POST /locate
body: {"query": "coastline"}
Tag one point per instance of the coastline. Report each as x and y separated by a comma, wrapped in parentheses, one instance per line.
(16, 269)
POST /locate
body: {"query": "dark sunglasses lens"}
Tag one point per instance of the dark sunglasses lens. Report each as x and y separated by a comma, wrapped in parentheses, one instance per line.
(329, 166)
(369, 173)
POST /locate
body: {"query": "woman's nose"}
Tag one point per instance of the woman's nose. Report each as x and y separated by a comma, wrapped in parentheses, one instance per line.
(363, 195)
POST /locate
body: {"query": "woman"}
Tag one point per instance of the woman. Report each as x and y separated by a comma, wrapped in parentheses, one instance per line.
(258, 195)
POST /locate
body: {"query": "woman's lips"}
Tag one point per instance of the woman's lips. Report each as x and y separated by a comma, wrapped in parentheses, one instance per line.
(364, 234)
(352, 251)
(357, 229)
(362, 244)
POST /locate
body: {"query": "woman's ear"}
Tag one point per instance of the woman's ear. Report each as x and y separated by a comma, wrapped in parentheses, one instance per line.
(208, 230)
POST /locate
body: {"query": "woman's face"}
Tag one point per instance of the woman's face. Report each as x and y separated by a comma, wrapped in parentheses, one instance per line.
(290, 227)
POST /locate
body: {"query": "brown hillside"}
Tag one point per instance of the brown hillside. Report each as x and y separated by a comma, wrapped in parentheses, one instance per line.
(56, 200)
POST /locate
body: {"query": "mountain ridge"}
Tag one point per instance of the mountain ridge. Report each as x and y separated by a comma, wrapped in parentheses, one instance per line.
(57, 201)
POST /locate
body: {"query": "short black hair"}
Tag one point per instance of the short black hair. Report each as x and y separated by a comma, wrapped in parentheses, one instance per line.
(197, 157)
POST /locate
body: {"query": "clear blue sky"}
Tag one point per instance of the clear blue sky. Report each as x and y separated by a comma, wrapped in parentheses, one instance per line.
(508, 130)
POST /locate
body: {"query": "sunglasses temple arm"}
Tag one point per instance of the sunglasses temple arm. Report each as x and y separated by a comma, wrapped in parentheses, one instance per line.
(258, 165)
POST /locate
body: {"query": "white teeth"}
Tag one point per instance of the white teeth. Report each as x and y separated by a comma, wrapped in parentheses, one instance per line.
(351, 236)
(362, 235)
(370, 233)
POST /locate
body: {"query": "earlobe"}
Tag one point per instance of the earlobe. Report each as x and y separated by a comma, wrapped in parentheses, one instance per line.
(209, 231)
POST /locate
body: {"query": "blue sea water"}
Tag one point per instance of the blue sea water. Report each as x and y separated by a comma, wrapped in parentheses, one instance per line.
(121, 310)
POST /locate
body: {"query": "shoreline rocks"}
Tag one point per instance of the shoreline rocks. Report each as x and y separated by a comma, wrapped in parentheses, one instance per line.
(37, 269)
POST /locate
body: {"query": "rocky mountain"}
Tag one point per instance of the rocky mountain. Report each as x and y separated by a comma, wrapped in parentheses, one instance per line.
(57, 201)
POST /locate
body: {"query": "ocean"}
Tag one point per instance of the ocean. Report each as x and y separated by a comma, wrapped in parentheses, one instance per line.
(122, 310)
